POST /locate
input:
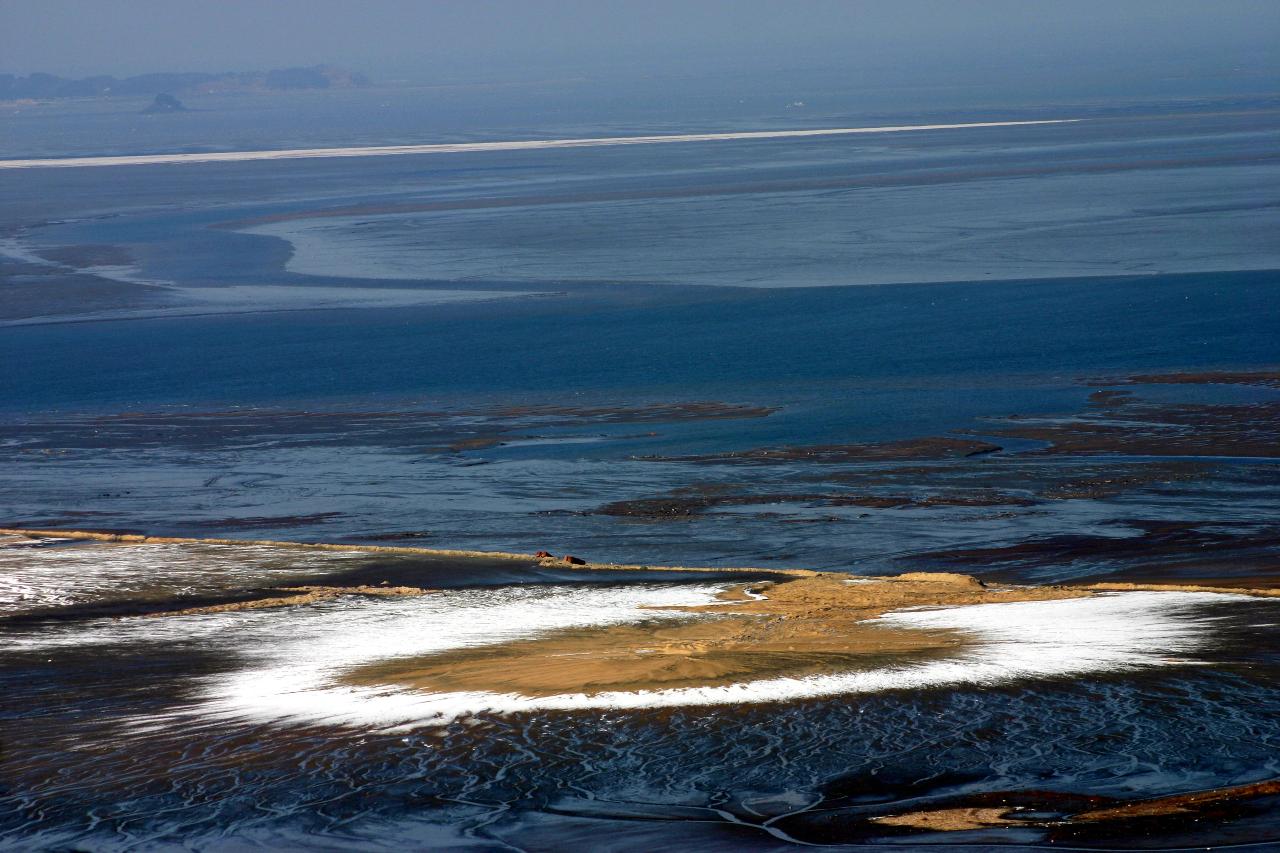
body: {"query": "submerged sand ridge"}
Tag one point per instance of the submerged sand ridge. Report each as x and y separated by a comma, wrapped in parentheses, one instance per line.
(796, 627)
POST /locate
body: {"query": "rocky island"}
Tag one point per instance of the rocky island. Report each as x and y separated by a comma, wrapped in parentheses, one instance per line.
(165, 104)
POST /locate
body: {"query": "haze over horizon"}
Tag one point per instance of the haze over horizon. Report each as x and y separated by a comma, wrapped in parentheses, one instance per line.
(1082, 45)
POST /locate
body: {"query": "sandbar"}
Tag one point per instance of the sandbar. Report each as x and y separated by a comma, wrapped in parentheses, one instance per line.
(795, 627)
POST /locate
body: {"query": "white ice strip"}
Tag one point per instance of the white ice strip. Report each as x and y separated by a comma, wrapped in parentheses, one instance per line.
(467, 147)
(298, 680)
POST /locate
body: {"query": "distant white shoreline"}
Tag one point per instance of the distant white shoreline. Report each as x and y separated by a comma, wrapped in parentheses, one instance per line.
(466, 147)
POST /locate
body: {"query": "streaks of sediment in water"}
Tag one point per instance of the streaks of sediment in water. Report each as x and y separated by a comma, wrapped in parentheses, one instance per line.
(468, 147)
(62, 576)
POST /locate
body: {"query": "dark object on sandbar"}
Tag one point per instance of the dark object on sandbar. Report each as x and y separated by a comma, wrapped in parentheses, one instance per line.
(574, 561)
(544, 555)
(165, 104)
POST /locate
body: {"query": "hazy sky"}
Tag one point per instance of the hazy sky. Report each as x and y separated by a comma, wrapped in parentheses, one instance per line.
(422, 39)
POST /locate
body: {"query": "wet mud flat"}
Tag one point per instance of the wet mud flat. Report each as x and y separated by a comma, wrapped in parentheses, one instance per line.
(900, 765)
(72, 575)
(432, 431)
(309, 679)
(1221, 553)
(1142, 490)
(1189, 452)
(70, 287)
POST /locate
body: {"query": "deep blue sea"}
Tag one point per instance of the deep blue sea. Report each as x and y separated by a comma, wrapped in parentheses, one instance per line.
(767, 346)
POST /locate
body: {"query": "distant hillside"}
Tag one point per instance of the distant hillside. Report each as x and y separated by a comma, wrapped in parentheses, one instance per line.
(43, 86)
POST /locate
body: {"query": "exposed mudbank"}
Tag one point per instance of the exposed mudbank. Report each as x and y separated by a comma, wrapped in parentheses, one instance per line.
(429, 430)
(1266, 378)
(82, 575)
(265, 521)
(932, 447)
(141, 539)
(795, 628)
(544, 467)
(1117, 478)
(1220, 553)
(695, 500)
(85, 575)
(697, 410)
(1249, 430)
(1076, 817)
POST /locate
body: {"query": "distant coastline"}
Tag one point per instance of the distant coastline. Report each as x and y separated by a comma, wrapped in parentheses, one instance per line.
(40, 86)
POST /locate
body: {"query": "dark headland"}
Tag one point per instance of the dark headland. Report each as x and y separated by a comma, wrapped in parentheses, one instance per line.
(165, 104)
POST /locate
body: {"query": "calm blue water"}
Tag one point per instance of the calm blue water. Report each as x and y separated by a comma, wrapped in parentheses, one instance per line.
(753, 346)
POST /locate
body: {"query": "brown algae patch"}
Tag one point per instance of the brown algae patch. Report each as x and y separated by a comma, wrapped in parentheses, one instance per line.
(1165, 555)
(809, 625)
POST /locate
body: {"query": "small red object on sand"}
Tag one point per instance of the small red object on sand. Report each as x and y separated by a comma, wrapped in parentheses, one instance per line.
(574, 561)
(542, 555)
